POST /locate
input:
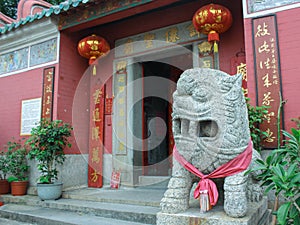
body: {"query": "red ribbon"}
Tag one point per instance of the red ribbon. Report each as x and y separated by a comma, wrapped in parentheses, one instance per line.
(236, 165)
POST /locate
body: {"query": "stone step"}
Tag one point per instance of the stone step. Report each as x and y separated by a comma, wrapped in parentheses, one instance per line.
(50, 216)
(154, 181)
(13, 222)
(128, 212)
(142, 196)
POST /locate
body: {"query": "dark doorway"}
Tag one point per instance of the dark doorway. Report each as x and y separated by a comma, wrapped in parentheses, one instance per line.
(157, 121)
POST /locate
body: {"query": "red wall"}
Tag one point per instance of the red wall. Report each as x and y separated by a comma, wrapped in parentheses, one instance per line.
(289, 48)
(71, 72)
(14, 89)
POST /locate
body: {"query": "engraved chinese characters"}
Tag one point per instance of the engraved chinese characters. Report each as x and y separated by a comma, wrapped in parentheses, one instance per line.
(267, 74)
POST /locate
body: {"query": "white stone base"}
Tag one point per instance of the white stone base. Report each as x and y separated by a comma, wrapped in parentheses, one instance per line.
(258, 214)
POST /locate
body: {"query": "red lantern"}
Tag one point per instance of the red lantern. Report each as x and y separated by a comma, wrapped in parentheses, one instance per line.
(212, 20)
(93, 47)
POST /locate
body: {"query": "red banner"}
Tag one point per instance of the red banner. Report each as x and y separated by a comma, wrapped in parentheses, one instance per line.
(96, 138)
(48, 90)
(267, 74)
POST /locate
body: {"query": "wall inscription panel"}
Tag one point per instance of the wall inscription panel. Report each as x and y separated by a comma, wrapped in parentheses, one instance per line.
(267, 70)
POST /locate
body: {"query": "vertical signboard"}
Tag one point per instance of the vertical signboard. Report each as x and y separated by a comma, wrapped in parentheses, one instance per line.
(120, 104)
(267, 70)
(48, 88)
(96, 137)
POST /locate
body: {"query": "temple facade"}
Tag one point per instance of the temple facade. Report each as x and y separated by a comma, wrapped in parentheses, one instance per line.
(120, 105)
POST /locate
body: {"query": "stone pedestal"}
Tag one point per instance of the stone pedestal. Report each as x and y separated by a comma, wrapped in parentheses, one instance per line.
(258, 214)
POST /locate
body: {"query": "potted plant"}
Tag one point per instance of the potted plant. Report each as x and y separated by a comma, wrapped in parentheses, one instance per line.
(4, 184)
(47, 143)
(17, 167)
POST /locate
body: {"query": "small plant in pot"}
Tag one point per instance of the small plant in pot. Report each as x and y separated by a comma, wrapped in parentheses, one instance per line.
(4, 184)
(17, 167)
(47, 143)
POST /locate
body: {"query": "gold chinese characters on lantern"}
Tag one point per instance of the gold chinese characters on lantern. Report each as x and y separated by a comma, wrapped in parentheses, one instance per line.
(212, 20)
(92, 48)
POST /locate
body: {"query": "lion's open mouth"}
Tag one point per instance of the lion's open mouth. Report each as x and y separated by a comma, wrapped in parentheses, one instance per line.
(205, 128)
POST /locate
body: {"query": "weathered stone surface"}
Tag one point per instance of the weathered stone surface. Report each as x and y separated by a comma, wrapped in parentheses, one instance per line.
(256, 215)
(210, 127)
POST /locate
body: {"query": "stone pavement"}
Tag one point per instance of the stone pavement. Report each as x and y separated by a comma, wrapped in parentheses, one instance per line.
(90, 206)
(87, 206)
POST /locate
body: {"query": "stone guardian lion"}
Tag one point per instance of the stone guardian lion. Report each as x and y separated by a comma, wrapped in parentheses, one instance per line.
(210, 128)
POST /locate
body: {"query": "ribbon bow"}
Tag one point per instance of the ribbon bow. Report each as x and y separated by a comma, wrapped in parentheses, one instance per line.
(234, 166)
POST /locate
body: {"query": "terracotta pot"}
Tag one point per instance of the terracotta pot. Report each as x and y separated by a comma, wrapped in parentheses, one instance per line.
(19, 188)
(4, 187)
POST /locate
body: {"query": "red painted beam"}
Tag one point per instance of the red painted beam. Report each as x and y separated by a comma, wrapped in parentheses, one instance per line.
(122, 14)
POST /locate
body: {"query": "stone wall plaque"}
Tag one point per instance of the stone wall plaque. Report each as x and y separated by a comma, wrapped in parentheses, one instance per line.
(30, 115)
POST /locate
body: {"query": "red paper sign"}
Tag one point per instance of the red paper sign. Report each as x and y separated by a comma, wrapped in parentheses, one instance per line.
(115, 179)
(267, 74)
(108, 106)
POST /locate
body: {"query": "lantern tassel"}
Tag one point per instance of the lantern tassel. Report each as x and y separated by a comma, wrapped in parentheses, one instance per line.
(216, 49)
(94, 70)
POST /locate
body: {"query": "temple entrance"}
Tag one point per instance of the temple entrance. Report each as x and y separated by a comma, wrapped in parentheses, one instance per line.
(157, 120)
(151, 80)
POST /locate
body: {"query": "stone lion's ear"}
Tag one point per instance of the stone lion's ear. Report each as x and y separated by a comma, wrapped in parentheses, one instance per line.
(238, 79)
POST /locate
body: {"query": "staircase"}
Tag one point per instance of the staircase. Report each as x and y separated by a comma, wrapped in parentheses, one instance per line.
(88, 206)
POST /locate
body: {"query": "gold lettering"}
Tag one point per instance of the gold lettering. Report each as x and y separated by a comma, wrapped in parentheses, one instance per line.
(48, 88)
(267, 99)
(206, 63)
(96, 115)
(201, 16)
(267, 83)
(121, 88)
(121, 100)
(262, 30)
(269, 136)
(264, 48)
(128, 47)
(265, 64)
(121, 65)
(94, 176)
(268, 116)
(242, 69)
(121, 147)
(148, 39)
(121, 79)
(47, 111)
(97, 95)
(49, 77)
(205, 47)
(95, 155)
(48, 101)
(172, 35)
(192, 31)
(95, 133)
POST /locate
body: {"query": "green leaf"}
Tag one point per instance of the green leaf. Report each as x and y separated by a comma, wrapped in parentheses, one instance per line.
(282, 212)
